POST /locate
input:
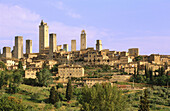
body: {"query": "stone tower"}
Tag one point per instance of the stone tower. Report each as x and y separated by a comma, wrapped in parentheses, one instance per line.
(7, 52)
(65, 47)
(73, 45)
(98, 45)
(53, 46)
(18, 50)
(43, 36)
(133, 52)
(28, 46)
(83, 40)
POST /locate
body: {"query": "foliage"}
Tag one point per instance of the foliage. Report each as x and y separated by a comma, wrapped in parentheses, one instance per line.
(138, 58)
(58, 104)
(20, 66)
(144, 103)
(59, 85)
(44, 77)
(11, 104)
(2, 65)
(106, 68)
(148, 78)
(12, 89)
(69, 92)
(2, 79)
(54, 95)
(30, 81)
(102, 98)
(35, 96)
(55, 68)
(44, 66)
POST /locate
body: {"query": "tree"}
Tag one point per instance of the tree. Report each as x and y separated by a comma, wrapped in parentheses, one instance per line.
(106, 68)
(146, 72)
(20, 66)
(54, 95)
(138, 58)
(55, 68)
(69, 92)
(44, 77)
(102, 97)
(144, 103)
(134, 72)
(44, 66)
(59, 86)
(151, 74)
(2, 79)
(11, 104)
(2, 65)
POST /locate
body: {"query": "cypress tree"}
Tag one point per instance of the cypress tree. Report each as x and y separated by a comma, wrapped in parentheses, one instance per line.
(151, 74)
(57, 98)
(69, 91)
(144, 103)
(146, 71)
(20, 65)
(138, 69)
(135, 72)
(52, 95)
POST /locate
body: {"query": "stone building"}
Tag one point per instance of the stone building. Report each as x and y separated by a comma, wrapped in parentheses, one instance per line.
(66, 71)
(133, 52)
(31, 73)
(18, 48)
(28, 46)
(43, 36)
(83, 40)
(73, 45)
(92, 81)
(7, 52)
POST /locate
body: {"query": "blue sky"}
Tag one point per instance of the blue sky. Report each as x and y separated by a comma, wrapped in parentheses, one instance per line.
(120, 24)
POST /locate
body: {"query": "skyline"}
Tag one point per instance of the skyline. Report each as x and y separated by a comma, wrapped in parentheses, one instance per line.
(119, 24)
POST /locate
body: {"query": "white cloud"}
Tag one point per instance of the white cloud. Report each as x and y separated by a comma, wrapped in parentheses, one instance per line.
(68, 11)
(15, 20)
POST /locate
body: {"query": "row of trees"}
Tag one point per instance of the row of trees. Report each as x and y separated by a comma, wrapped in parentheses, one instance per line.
(11, 80)
(56, 96)
(158, 77)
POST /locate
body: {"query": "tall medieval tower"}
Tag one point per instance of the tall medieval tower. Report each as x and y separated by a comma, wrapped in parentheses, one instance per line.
(18, 48)
(73, 45)
(53, 45)
(83, 40)
(43, 36)
(98, 45)
(28, 46)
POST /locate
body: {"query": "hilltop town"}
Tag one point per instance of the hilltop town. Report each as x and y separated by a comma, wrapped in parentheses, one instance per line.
(22, 75)
(73, 61)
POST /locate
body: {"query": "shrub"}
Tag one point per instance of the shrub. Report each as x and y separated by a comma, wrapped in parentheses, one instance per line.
(35, 96)
(58, 104)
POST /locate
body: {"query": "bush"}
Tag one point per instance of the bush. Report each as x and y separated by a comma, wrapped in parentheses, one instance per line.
(35, 96)
(48, 107)
(11, 104)
(30, 81)
(59, 85)
(58, 104)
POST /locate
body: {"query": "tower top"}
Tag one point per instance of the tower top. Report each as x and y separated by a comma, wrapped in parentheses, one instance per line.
(83, 32)
(43, 23)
